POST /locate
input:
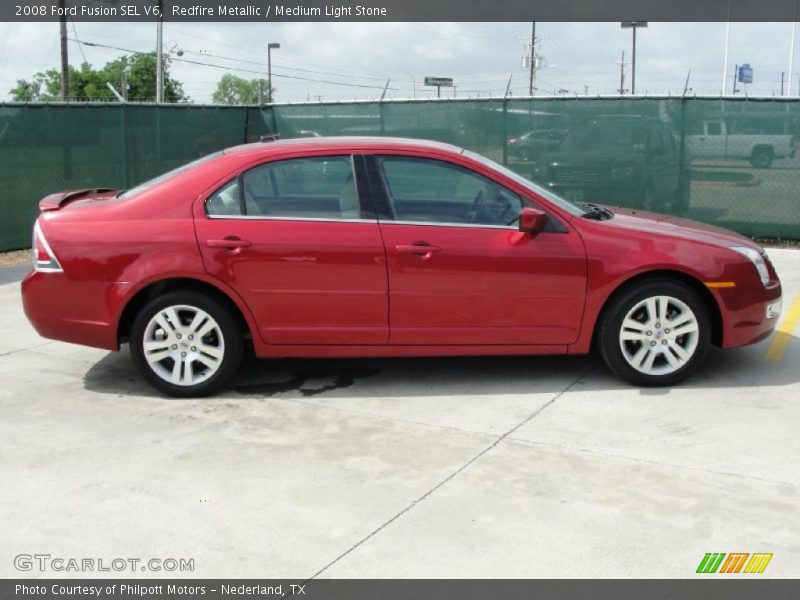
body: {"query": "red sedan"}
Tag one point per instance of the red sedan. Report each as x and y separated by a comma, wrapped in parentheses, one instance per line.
(351, 247)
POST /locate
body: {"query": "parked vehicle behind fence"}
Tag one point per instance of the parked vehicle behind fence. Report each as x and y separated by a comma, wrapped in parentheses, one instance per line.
(715, 139)
(628, 160)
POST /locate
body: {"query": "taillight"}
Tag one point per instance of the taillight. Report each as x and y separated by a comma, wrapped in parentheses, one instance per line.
(44, 260)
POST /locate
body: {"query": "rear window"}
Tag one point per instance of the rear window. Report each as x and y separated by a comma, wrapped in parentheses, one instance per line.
(142, 187)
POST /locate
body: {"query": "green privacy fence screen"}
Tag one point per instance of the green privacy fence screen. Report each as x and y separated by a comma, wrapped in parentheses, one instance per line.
(729, 162)
(46, 148)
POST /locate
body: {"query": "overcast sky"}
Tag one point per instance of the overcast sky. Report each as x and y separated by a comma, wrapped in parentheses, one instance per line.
(479, 56)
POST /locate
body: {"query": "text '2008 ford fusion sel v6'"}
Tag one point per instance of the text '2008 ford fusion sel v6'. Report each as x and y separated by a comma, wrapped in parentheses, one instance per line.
(355, 247)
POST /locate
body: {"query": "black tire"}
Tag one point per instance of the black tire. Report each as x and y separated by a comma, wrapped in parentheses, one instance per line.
(762, 158)
(228, 325)
(610, 328)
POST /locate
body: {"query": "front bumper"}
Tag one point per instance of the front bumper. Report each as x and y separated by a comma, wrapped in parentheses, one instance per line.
(750, 313)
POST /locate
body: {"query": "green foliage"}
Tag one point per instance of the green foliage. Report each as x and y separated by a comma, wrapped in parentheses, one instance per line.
(237, 90)
(89, 84)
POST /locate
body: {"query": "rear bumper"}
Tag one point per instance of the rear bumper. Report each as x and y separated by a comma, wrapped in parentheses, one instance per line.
(745, 311)
(70, 311)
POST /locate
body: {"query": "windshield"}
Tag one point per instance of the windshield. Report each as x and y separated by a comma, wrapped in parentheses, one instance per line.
(165, 176)
(562, 203)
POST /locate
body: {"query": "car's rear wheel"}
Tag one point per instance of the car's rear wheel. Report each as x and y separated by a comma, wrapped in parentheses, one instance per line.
(186, 343)
(655, 333)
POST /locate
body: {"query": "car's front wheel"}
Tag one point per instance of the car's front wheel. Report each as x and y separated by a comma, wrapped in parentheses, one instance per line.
(655, 333)
(186, 343)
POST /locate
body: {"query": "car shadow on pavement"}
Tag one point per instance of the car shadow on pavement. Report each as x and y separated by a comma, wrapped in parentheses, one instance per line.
(409, 377)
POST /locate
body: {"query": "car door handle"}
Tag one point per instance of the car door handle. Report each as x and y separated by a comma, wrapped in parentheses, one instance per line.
(419, 249)
(229, 244)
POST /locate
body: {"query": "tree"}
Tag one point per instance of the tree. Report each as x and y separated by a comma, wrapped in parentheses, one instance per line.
(237, 90)
(140, 71)
(89, 84)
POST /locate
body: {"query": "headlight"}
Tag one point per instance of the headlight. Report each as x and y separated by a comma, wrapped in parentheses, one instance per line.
(757, 259)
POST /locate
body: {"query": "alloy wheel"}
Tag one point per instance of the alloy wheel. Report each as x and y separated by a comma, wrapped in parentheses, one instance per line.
(183, 345)
(659, 335)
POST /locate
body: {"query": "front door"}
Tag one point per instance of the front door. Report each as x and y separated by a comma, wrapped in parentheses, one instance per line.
(291, 238)
(461, 273)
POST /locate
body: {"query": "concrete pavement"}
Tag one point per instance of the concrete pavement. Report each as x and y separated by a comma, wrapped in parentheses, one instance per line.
(479, 467)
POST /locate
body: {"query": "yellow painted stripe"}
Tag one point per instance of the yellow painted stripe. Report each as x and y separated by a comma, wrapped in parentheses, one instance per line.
(784, 331)
(764, 563)
(719, 284)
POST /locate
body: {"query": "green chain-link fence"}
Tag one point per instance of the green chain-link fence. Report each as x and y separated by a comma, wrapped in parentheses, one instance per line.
(729, 162)
(47, 148)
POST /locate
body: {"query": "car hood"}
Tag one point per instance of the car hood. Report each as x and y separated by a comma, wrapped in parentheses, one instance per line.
(648, 222)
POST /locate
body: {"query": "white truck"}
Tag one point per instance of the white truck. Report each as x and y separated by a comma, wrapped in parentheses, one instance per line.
(715, 139)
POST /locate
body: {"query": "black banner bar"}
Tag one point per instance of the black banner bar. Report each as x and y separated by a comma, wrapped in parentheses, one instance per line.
(401, 10)
(713, 587)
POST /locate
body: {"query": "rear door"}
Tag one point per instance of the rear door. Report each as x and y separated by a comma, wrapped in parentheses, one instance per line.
(294, 239)
(460, 272)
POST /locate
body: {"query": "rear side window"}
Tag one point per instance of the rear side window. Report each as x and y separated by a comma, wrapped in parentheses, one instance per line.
(226, 201)
(303, 188)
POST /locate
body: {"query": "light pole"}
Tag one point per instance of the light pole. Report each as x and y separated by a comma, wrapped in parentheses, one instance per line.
(159, 57)
(634, 25)
(270, 47)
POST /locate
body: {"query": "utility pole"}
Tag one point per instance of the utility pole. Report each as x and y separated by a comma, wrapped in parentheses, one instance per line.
(532, 59)
(622, 64)
(160, 56)
(735, 70)
(64, 51)
(270, 47)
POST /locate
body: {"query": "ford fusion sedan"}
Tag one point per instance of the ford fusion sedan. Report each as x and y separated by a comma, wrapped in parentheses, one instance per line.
(356, 247)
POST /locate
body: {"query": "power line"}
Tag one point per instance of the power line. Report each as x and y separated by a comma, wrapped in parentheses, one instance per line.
(80, 47)
(253, 62)
(224, 67)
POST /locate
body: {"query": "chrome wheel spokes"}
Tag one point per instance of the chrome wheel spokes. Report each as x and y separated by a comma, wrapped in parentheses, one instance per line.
(183, 345)
(659, 335)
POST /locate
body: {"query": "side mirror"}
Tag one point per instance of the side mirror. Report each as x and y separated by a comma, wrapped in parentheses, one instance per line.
(532, 220)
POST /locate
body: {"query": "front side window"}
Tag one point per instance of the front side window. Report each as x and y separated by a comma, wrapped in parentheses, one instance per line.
(433, 191)
(304, 188)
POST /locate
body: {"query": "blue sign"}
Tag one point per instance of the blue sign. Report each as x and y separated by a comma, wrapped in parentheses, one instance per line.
(745, 73)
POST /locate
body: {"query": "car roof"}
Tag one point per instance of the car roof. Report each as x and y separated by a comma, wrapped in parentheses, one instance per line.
(346, 143)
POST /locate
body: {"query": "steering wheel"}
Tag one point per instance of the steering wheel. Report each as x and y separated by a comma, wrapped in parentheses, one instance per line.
(477, 206)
